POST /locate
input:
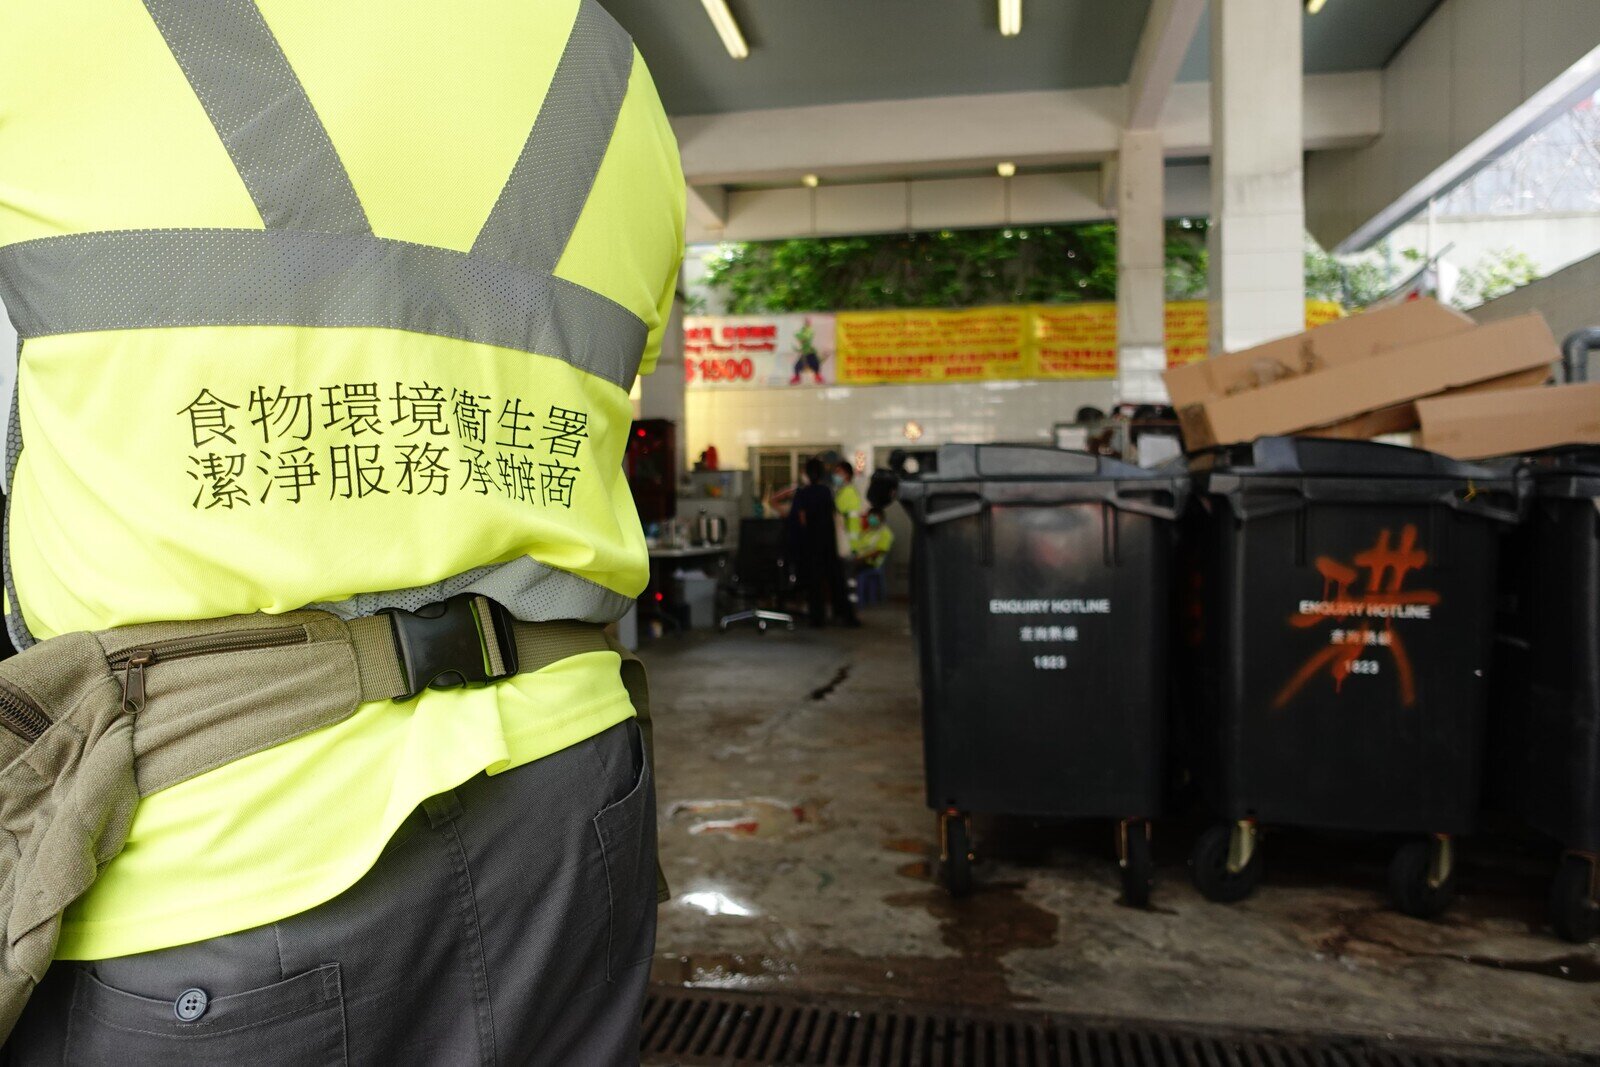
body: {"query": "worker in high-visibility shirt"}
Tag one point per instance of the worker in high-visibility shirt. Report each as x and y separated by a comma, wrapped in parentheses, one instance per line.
(329, 314)
(872, 548)
(846, 499)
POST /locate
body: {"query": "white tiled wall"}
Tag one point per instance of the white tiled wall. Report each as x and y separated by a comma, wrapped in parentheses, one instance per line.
(862, 417)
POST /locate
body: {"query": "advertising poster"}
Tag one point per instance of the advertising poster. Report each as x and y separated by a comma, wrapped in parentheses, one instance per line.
(1075, 341)
(1053, 343)
(758, 351)
(1188, 327)
(988, 344)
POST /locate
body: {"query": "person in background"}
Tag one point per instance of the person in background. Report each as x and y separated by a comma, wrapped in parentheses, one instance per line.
(813, 533)
(847, 499)
(872, 553)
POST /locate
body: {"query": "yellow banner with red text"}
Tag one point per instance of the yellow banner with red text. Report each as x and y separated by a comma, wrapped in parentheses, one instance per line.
(1048, 342)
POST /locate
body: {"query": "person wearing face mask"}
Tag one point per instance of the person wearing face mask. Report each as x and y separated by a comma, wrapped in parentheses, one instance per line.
(872, 553)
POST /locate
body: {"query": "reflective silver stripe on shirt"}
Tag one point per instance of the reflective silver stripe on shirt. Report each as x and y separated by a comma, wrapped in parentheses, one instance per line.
(16, 625)
(261, 112)
(538, 209)
(143, 279)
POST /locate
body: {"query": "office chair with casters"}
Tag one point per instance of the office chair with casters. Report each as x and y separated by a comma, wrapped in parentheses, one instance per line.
(761, 575)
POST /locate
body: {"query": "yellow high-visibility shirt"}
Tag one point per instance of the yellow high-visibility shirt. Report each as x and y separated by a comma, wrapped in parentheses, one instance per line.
(164, 475)
(848, 501)
(874, 544)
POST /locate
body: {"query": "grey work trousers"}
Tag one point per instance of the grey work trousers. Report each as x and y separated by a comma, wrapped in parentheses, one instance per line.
(510, 921)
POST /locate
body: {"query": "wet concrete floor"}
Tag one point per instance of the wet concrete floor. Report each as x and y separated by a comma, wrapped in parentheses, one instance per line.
(800, 853)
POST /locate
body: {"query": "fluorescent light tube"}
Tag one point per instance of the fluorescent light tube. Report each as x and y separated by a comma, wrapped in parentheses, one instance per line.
(1010, 17)
(727, 28)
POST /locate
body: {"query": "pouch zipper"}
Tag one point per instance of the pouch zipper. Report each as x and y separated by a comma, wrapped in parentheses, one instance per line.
(21, 718)
(131, 663)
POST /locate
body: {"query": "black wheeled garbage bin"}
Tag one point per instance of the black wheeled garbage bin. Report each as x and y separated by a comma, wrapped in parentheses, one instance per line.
(1040, 597)
(1544, 755)
(1347, 598)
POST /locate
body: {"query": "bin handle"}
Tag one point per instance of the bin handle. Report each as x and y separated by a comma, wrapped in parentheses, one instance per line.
(969, 510)
(1127, 498)
(1287, 499)
(1473, 504)
(1123, 497)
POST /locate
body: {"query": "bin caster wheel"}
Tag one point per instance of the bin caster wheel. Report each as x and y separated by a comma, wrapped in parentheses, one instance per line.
(955, 854)
(1137, 861)
(1226, 864)
(1422, 877)
(1574, 900)
(761, 626)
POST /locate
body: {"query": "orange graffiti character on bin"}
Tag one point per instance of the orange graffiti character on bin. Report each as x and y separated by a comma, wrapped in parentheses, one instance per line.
(1354, 618)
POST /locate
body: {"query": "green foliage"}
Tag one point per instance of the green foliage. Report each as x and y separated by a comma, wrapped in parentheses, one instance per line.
(1354, 285)
(1037, 265)
(944, 269)
(1187, 262)
(1496, 274)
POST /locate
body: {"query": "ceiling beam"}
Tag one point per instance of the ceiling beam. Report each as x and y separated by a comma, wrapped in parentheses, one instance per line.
(708, 206)
(1168, 32)
(1110, 173)
(900, 139)
(898, 206)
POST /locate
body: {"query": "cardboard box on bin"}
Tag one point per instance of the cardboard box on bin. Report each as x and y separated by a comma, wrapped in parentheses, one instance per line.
(1402, 418)
(1343, 381)
(1504, 422)
(1331, 345)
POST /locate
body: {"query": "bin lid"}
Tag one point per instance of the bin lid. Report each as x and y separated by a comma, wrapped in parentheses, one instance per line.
(1570, 471)
(1334, 458)
(1032, 463)
(1569, 460)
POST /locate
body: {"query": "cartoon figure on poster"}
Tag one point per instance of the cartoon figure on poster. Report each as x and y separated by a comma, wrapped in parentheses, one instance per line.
(759, 351)
(805, 344)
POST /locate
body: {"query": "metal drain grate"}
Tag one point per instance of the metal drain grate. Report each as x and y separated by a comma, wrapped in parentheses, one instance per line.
(710, 1027)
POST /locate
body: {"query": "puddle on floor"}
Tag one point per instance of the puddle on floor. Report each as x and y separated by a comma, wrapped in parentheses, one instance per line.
(982, 929)
(1381, 934)
(914, 846)
(1572, 968)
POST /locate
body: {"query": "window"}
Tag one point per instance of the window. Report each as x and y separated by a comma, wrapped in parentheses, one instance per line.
(777, 469)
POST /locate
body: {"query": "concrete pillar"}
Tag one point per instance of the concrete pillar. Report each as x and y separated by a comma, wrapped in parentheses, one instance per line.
(662, 395)
(1141, 269)
(1257, 173)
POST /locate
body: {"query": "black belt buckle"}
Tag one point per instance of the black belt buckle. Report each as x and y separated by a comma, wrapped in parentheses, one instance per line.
(453, 644)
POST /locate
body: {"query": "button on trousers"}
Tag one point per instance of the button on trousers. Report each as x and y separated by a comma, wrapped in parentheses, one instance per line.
(510, 921)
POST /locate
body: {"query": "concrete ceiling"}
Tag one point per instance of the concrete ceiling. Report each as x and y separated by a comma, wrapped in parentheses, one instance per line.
(1345, 35)
(813, 52)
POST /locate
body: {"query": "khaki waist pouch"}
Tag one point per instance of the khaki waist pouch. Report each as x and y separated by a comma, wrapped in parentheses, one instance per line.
(92, 722)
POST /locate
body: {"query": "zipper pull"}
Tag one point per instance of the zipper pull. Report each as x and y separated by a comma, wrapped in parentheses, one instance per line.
(133, 695)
